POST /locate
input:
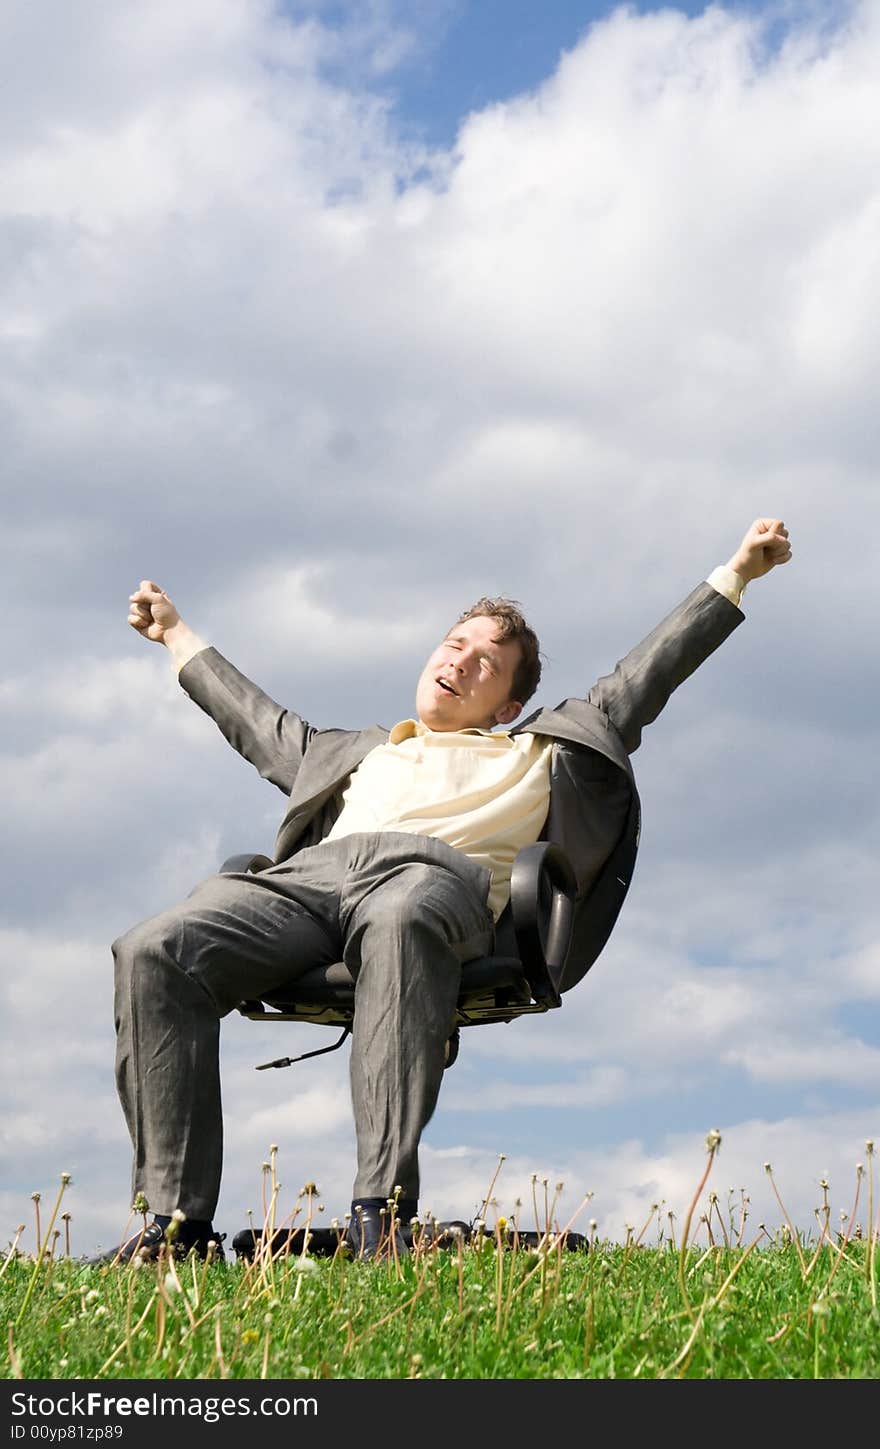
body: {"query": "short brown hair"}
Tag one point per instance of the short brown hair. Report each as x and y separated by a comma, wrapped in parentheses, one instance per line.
(512, 625)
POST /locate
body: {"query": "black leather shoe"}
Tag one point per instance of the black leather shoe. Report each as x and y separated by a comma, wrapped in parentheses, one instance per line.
(145, 1245)
(369, 1238)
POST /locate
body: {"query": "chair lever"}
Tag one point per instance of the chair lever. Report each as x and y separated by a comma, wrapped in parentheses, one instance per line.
(289, 1061)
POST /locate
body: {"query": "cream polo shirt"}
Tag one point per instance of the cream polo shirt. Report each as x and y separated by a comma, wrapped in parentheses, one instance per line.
(484, 792)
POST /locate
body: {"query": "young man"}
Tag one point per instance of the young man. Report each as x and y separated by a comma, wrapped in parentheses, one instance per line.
(394, 855)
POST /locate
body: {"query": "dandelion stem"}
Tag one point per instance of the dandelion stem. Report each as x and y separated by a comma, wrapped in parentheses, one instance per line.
(692, 1338)
(487, 1198)
(871, 1245)
(35, 1198)
(713, 1142)
(13, 1249)
(126, 1342)
(794, 1237)
(65, 1179)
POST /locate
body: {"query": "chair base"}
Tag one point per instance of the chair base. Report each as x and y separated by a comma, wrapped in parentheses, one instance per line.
(327, 1242)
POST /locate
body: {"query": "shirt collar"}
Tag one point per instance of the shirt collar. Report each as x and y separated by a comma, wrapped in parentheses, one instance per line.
(412, 729)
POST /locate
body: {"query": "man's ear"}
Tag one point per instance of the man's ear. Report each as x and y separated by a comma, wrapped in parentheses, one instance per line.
(508, 712)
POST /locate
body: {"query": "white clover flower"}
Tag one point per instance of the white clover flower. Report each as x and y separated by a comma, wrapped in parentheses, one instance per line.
(172, 1284)
(305, 1265)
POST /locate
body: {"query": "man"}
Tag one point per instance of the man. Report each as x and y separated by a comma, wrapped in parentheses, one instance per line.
(394, 855)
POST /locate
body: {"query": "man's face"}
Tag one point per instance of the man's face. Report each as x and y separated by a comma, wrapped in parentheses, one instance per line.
(468, 681)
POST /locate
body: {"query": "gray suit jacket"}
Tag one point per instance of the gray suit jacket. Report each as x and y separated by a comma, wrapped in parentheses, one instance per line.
(594, 810)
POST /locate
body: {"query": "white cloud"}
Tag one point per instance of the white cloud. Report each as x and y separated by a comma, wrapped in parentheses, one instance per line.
(626, 1180)
(327, 398)
(297, 617)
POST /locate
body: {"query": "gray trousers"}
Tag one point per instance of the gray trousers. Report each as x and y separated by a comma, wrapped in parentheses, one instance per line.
(402, 911)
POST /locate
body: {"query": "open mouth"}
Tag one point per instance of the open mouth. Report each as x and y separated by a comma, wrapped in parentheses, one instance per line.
(445, 685)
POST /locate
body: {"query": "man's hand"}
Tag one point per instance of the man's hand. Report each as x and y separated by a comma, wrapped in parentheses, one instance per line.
(152, 612)
(764, 546)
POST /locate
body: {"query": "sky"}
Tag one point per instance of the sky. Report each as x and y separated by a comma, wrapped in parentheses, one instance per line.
(331, 318)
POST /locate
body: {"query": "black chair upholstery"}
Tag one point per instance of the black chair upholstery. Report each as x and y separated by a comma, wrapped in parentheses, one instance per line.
(521, 977)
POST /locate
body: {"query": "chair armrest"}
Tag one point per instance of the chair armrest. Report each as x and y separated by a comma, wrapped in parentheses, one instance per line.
(241, 864)
(542, 897)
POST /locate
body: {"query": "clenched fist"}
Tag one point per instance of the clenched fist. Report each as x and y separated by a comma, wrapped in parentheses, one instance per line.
(151, 611)
(765, 545)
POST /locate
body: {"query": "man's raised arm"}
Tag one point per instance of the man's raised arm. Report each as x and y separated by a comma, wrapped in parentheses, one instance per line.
(269, 737)
(641, 683)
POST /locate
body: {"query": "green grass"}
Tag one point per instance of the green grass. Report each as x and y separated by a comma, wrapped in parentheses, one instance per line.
(612, 1312)
(782, 1305)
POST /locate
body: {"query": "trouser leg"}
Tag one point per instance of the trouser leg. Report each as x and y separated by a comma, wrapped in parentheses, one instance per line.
(176, 975)
(408, 924)
(404, 912)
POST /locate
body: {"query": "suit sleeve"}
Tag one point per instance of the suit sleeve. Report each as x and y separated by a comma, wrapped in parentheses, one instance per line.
(272, 739)
(635, 692)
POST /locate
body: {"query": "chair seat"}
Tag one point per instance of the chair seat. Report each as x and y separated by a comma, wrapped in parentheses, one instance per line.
(490, 985)
(531, 941)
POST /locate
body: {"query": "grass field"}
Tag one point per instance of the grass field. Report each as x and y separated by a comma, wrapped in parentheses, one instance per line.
(707, 1302)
